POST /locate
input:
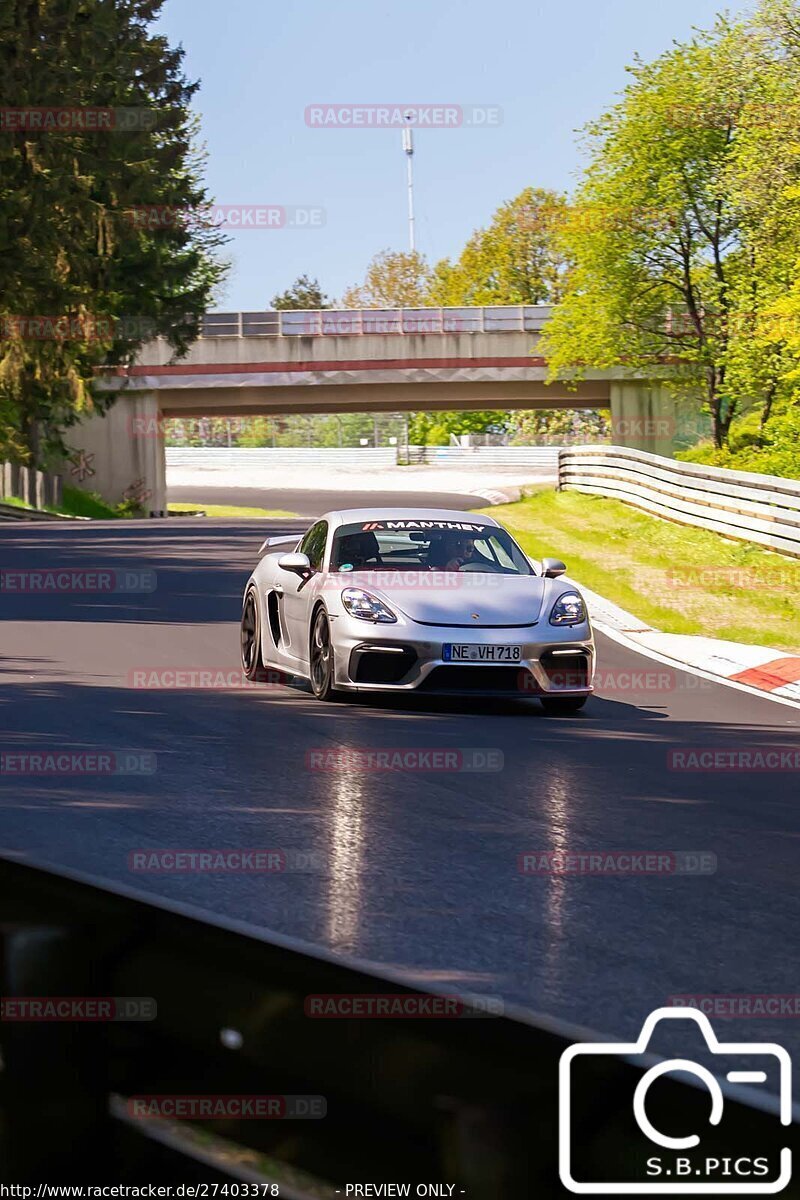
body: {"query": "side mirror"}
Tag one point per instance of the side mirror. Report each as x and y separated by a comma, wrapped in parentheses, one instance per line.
(297, 563)
(552, 568)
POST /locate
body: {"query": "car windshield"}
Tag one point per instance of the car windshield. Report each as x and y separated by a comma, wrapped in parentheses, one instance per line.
(427, 545)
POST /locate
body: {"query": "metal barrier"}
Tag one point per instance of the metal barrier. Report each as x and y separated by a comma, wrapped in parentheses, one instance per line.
(525, 318)
(472, 1100)
(366, 457)
(486, 456)
(740, 504)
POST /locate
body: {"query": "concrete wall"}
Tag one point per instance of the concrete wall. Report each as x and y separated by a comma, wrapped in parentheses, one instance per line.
(121, 455)
(643, 417)
(342, 348)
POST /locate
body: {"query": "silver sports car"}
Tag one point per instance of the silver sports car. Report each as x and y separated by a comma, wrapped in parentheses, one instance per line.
(416, 600)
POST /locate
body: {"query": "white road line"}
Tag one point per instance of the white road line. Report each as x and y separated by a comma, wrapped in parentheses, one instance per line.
(678, 664)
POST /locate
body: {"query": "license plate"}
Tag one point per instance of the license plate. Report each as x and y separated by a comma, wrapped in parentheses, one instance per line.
(467, 652)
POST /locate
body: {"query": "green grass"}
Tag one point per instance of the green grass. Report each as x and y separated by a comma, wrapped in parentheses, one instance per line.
(75, 503)
(85, 504)
(228, 510)
(675, 578)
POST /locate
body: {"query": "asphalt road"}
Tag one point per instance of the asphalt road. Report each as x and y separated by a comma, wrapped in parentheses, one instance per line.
(417, 870)
(311, 503)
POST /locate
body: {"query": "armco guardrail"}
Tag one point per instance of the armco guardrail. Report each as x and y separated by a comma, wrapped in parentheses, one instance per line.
(227, 1012)
(764, 509)
(365, 457)
(213, 456)
(10, 512)
(486, 456)
(35, 488)
(330, 322)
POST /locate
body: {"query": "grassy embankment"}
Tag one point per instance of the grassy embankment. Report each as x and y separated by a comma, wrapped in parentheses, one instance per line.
(673, 577)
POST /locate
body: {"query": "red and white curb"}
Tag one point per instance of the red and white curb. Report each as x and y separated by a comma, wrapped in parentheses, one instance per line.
(754, 668)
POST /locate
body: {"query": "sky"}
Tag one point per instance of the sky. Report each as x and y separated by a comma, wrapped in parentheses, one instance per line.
(335, 196)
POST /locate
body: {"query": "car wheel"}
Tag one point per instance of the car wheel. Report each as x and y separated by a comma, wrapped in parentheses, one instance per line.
(321, 658)
(563, 706)
(252, 665)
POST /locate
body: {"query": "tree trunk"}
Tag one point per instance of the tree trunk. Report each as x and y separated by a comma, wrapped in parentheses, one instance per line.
(766, 412)
(31, 436)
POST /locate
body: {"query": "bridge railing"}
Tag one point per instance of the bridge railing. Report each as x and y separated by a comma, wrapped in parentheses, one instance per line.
(332, 322)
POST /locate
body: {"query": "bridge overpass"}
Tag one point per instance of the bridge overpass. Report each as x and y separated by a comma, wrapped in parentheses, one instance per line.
(262, 363)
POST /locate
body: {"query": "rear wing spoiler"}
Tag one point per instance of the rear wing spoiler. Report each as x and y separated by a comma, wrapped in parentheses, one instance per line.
(271, 542)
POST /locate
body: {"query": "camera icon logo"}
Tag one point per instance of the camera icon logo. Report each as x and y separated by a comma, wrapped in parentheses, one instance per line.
(657, 1162)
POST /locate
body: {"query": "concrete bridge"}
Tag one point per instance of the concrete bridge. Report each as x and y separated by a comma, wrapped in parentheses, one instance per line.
(249, 364)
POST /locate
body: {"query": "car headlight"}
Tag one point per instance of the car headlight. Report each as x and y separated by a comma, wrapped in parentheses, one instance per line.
(366, 606)
(568, 609)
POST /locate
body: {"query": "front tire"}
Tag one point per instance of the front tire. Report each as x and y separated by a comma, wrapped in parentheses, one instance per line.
(563, 706)
(252, 664)
(321, 658)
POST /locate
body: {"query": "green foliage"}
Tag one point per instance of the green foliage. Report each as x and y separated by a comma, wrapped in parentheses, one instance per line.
(313, 429)
(773, 450)
(435, 428)
(394, 279)
(305, 293)
(672, 257)
(101, 229)
(559, 426)
(516, 260)
(77, 503)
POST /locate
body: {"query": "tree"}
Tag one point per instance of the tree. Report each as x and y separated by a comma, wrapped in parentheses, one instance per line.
(394, 279)
(559, 426)
(764, 176)
(435, 428)
(666, 268)
(305, 293)
(101, 232)
(517, 259)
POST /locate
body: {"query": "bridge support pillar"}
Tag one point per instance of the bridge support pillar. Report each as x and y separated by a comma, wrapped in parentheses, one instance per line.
(645, 416)
(121, 455)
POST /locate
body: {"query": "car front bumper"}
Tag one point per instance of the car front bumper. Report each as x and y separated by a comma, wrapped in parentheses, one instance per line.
(408, 657)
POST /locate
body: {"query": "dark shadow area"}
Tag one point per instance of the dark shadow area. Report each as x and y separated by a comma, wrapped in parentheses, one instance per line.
(312, 504)
(422, 868)
(163, 571)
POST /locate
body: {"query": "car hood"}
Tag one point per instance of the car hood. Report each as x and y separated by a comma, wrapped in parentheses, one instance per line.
(469, 600)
